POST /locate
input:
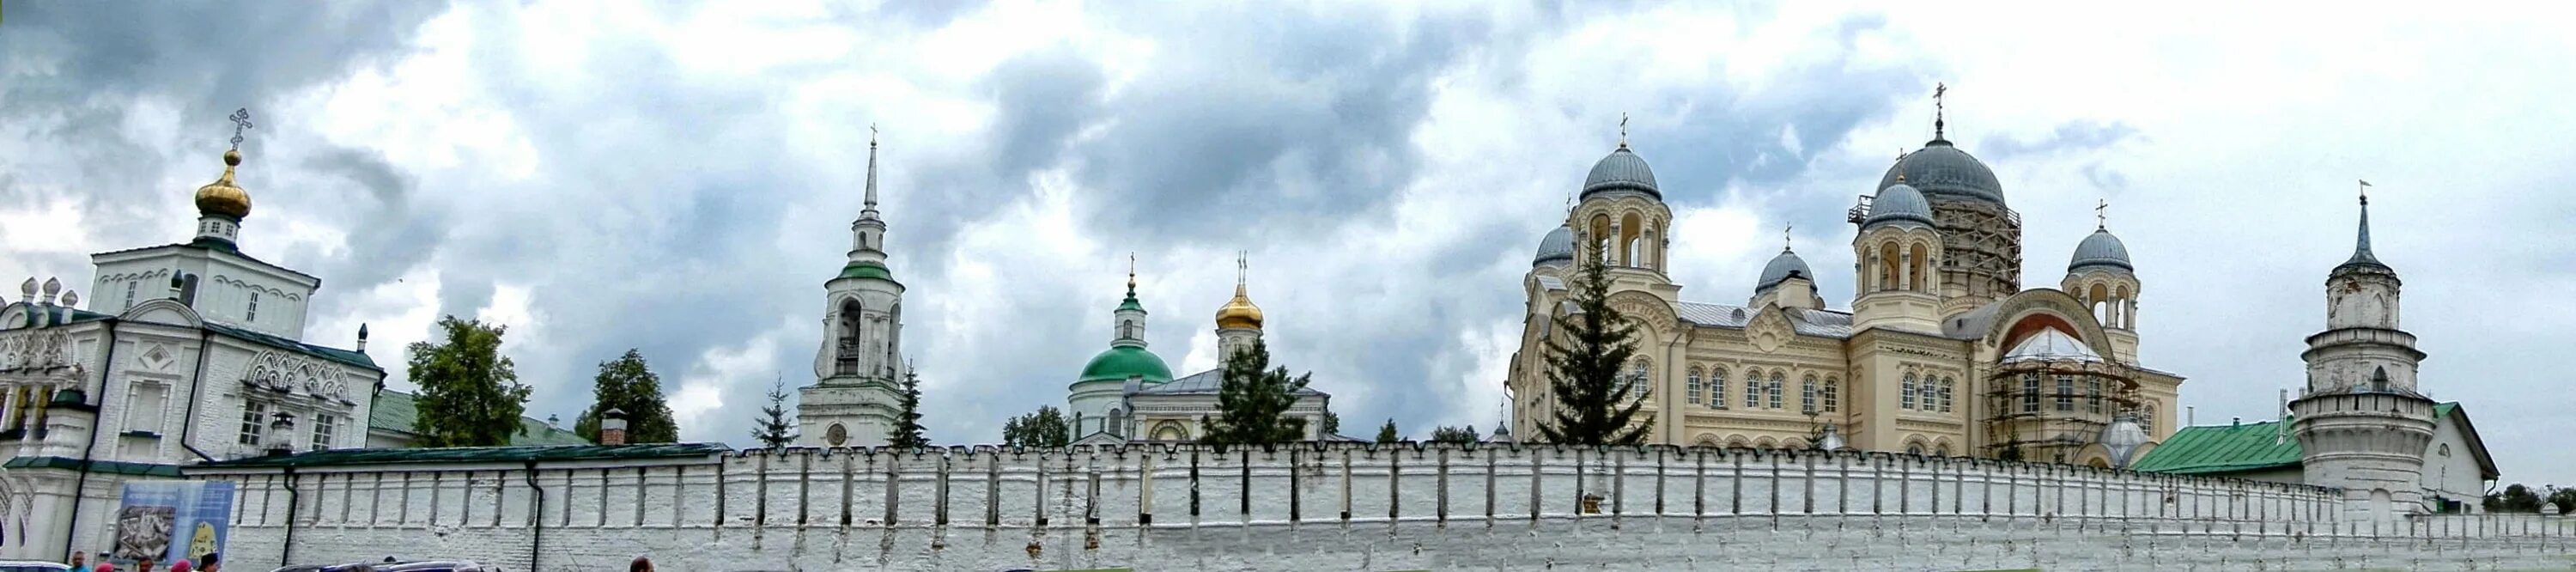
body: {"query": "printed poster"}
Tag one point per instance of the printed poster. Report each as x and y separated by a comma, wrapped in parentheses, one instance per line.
(171, 520)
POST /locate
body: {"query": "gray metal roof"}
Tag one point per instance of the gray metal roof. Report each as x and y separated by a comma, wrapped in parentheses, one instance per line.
(2100, 249)
(2361, 256)
(1551, 283)
(1898, 203)
(1202, 383)
(1941, 170)
(1622, 170)
(1781, 267)
(1557, 247)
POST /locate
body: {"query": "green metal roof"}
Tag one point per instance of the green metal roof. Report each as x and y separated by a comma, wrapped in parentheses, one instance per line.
(1122, 362)
(2236, 447)
(355, 358)
(545, 453)
(399, 412)
(109, 467)
(867, 270)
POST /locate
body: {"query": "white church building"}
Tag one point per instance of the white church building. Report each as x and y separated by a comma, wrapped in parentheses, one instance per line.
(185, 353)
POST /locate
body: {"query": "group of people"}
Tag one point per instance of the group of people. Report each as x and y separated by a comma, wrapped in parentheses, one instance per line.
(211, 562)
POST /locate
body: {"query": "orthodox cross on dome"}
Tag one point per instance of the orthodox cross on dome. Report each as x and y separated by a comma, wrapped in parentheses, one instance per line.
(2101, 214)
(1623, 130)
(1939, 128)
(1131, 273)
(241, 121)
(1785, 239)
(1242, 267)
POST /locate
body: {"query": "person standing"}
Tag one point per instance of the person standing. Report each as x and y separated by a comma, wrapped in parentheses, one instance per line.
(143, 565)
(641, 564)
(80, 561)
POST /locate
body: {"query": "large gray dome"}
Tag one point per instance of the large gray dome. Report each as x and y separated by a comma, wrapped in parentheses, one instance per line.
(1941, 170)
(1781, 268)
(2100, 249)
(1558, 247)
(1622, 170)
(1898, 202)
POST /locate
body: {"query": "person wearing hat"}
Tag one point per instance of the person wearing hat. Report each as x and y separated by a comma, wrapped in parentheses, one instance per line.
(104, 566)
(211, 562)
(181, 566)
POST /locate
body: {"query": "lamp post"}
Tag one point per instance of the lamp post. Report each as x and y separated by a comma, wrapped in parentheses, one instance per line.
(282, 427)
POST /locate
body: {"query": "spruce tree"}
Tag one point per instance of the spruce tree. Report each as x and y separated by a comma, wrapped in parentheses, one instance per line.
(772, 428)
(470, 395)
(1594, 406)
(1332, 424)
(1252, 402)
(1386, 433)
(908, 433)
(628, 384)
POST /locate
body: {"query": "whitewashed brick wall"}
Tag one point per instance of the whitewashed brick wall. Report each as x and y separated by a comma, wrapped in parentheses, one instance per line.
(1341, 507)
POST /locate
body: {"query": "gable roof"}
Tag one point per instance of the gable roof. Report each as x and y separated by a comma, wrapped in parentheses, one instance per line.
(2254, 446)
(398, 412)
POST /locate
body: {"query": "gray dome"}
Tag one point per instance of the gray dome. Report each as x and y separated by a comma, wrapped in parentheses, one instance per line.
(2100, 249)
(1622, 170)
(1944, 171)
(1781, 268)
(1898, 202)
(1557, 247)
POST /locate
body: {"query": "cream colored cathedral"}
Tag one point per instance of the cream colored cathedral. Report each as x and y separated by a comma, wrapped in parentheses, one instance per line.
(1941, 352)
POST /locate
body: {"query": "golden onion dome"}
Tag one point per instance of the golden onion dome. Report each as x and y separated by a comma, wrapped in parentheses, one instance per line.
(1239, 312)
(222, 197)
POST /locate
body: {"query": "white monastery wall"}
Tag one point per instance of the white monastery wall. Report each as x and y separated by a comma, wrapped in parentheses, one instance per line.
(1338, 507)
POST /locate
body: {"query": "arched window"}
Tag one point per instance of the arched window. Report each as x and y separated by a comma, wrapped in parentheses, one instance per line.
(1692, 387)
(1117, 422)
(1752, 389)
(1947, 384)
(1807, 395)
(1833, 394)
(2148, 421)
(1639, 384)
(1907, 401)
(1915, 449)
(1717, 388)
(1779, 382)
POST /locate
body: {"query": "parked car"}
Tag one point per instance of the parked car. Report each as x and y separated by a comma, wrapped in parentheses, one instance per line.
(31, 566)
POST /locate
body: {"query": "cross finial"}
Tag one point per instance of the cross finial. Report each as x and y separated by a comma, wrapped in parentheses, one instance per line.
(1242, 266)
(241, 121)
(1131, 273)
(1939, 128)
(1785, 239)
(1623, 130)
(2101, 214)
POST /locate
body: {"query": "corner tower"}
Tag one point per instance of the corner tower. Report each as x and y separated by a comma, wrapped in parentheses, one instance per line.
(2361, 422)
(853, 400)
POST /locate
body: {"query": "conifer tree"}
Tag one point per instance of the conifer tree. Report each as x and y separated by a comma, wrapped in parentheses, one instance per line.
(772, 428)
(1386, 433)
(908, 433)
(1252, 404)
(1594, 406)
(470, 395)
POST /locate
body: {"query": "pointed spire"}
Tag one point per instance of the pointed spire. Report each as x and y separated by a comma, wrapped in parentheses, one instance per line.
(872, 168)
(2361, 255)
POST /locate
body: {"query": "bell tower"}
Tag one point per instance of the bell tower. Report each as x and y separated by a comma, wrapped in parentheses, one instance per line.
(853, 401)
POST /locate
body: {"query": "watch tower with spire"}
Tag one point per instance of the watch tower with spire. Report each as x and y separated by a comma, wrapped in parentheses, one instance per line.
(2362, 424)
(853, 400)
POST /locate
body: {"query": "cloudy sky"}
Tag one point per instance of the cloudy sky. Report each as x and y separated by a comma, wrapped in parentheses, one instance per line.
(680, 179)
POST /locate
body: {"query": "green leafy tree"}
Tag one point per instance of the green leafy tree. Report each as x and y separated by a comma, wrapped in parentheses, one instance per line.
(1331, 425)
(1447, 434)
(627, 384)
(1596, 404)
(469, 394)
(1386, 433)
(2518, 498)
(773, 429)
(2565, 499)
(1045, 428)
(908, 433)
(2493, 502)
(1252, 402)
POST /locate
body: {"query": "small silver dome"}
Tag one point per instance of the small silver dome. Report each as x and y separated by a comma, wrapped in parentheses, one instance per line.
(1622, 170)
(2123, 437)
(1781, 268)
(1899, 202)
(1940, 169)
(2100, 249)
(1558, 247)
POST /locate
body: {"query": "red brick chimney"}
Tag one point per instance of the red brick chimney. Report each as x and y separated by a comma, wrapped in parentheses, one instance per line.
(612, 427)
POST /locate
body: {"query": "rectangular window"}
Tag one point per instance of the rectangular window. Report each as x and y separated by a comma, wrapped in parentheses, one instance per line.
(1832, 401)
(1807, 397)
(1693, 388)
(1775, 393)
(1717, 391)
(1907, 402)
(254, 422)
(129, 292)
(2093, 395)
(1946, 384)
(323, 428)
(2065, 393)
(2030, 393)
(1752, 391)
(253, 314)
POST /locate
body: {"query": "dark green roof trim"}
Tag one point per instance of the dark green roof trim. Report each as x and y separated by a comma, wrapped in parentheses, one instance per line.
(399, 412)
(543, 453)
(109, 467)
(867, 270)
(359, 359)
